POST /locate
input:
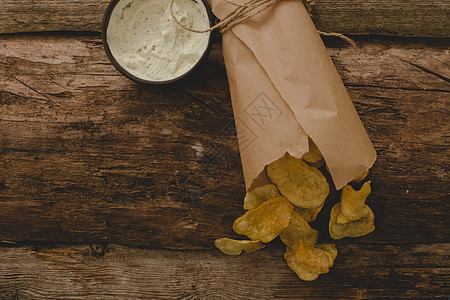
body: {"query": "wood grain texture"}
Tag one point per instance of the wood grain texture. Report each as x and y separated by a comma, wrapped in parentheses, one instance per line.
(415, 18)
(360, 272)
(88, 156)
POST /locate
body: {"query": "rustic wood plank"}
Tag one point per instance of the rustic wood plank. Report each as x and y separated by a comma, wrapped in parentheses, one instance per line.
(88, 156)
(415, 18)
(360, 271)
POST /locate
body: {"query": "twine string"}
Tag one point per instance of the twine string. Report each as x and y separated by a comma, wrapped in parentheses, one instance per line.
(248, 10)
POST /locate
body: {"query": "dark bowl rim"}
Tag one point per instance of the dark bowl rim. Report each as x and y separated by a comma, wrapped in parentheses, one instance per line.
(105, 23)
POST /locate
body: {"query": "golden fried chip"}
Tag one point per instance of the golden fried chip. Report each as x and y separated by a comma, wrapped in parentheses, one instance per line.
(302, 272)
(309, 214)
(342, 219)
(313, 157)
(352, 202)
(265, 222)
(357, 228)
(235, 247)
(297, 230)
(361, 177)
(302, 185)
(329, 248)
(263, 193)
(314, 259)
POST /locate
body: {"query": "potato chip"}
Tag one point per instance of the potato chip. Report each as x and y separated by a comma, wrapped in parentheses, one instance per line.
(309, 262)
(314, 259)
(302, 185)
(352, 202)
(297, 230)
(309, 214)
(302, 272)
(313, 157)
(235, 247)
(357, 228)
(342, 219)
(329, 248)
(265, 222)
(263, 193)
(361, 177)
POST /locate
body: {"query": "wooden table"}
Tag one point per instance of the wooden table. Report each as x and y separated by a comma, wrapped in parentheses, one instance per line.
(104, 194)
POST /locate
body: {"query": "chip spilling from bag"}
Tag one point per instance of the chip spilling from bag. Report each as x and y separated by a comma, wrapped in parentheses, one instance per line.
(353, 229)
(329, 248)
(287, 206)
(265, 222)
(361, 176)
(263, 193)
(352, 202)
(309, 262)
(309, 214)
(313, 157)
(298, 230)
(302, 272)
(302, 185)
(235, 247)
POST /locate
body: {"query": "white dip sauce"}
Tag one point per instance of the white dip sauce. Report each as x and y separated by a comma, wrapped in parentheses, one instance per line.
(146, 41)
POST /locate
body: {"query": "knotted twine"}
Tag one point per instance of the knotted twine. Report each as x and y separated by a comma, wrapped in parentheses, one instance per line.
(248, 10)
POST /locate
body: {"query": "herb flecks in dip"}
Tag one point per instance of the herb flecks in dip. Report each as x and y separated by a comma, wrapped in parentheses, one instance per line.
(146, 41)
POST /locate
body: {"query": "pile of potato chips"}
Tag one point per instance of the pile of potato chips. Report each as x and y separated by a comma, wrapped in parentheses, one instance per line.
(287, 206)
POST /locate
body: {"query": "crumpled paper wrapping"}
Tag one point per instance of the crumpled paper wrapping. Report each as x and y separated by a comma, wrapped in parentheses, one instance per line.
(284, 87)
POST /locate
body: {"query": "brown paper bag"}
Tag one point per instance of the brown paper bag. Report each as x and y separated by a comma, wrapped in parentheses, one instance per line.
(285, 87)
